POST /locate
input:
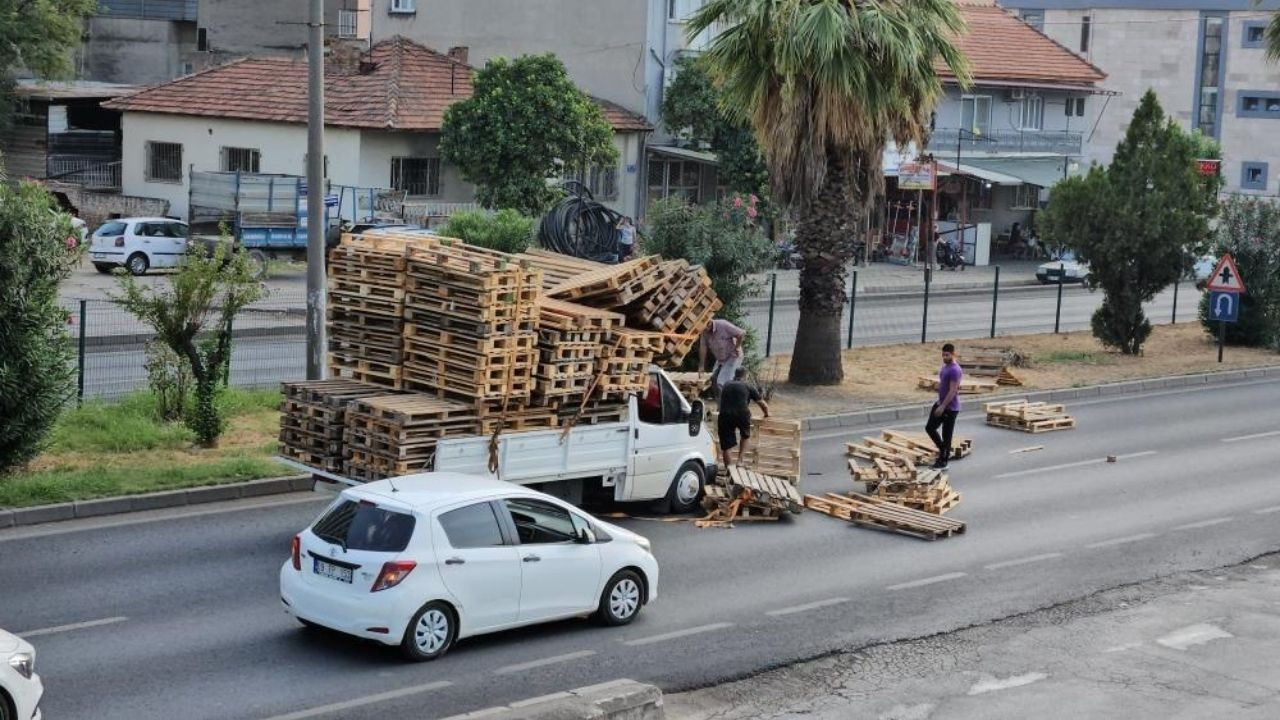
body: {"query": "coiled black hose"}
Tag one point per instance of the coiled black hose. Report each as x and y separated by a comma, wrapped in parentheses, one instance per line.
(580, 226)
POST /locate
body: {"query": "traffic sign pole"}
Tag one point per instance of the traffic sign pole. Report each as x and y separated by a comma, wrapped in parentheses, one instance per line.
(1222, 338)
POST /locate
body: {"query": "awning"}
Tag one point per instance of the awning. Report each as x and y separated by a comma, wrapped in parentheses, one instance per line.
(1043, 171)
(991, 176)
(685, 154)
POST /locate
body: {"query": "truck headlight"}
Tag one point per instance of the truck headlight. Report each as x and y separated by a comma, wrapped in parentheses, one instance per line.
(24, 663)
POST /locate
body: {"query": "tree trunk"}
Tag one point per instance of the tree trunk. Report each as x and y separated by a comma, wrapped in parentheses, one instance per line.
(825, 238)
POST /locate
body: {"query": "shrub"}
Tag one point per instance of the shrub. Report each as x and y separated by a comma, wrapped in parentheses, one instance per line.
(169, 378)
(506, 230)
(1249, 229)
(38, 249)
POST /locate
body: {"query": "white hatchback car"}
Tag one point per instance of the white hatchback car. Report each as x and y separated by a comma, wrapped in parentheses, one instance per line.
(20, 686)
(422, 560)
(138, 244)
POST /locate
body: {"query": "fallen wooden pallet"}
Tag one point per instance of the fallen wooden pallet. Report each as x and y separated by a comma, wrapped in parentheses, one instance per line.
(724, 508)
(556, 268)
(775, 491)
(880, 514)
(967, 387)
(1031, 417)
(611, 286)
(774, 448)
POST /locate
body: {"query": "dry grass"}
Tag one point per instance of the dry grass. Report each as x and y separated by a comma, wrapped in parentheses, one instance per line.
(887, 375)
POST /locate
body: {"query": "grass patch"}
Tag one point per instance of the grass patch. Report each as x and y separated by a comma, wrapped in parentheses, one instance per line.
(111, 449)
(1072, 357)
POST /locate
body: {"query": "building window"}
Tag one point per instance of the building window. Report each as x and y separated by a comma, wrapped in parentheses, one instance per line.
(1254, 34)
(347, 23)
(188, 68)
(404, 6)
(600, 180)
(1034, 18)
(975, 114)
(1032, 112)
(679, 178)
(1209, 78)
(164, 162)
(1253, 176)
(416, 176)
(1075, 106)
(1025, 197)
(1086, 29)
(236, 159)
(1258, 104)
(202, 40)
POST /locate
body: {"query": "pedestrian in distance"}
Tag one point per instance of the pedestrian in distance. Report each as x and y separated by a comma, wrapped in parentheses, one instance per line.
(723, 340)
(626, 238)
(944, 412)
(734, 422)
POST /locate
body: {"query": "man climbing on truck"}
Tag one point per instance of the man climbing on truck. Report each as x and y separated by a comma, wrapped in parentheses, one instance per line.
(735, 415)
(723, 340)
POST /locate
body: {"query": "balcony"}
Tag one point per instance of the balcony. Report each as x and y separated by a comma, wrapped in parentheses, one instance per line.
(1059, 142)
(149, 9)
(87, 173)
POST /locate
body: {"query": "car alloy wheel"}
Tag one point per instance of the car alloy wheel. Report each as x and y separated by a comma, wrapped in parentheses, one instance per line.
(138, 264)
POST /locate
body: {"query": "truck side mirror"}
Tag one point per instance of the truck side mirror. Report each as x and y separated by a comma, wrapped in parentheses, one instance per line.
(697, 412)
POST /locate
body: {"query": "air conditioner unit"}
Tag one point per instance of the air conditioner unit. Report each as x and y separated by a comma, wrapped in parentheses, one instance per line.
(1014, 94)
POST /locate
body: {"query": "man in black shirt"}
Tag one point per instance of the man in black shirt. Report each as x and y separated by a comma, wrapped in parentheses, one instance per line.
(735, 414)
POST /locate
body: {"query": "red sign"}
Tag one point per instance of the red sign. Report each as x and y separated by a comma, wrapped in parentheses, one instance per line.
(1208, 167)
(1225, 277)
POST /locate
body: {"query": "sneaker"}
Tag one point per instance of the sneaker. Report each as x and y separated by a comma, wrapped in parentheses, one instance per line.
(940, 465)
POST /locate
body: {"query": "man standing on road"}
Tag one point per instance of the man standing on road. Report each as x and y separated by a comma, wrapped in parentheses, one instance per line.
(945, 410)
(723, 340)
(735, 415)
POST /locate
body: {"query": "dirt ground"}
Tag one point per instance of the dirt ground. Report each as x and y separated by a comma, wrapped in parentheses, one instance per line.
(887, 375)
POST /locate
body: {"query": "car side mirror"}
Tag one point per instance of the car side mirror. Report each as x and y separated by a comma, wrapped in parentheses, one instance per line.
(586, 536)
(697, 412)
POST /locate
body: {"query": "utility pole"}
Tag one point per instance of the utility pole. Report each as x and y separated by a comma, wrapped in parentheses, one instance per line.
(316, 340)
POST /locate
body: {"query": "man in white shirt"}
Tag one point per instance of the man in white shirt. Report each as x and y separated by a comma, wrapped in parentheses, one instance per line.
(723, 340)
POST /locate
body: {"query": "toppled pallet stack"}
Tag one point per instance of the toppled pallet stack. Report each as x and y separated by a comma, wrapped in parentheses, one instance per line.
(366, 307)
(745, 495)
(391, 435)
(897, 456)
(557, 268)
(881, 514)
(968, 386)
(929, 491)
(1032, 417)
(613, 286)
(684, 307)
(992, 363)
(312, 419)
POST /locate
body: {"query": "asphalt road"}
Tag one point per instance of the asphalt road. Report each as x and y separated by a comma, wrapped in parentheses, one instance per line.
(265, 360)
(191, 625)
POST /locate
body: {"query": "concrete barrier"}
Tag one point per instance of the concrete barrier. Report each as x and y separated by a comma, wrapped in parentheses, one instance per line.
(616, 700)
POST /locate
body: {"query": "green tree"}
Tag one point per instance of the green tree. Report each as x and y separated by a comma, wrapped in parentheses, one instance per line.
(691, 105)
(1249, 229)
(38, 36)
(525, 122)
(506, 230)
(1137, 222)
(38, 249)
(193, 316)
(824, 84)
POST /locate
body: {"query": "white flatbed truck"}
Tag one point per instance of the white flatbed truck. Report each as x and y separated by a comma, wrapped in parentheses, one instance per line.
(662, 451)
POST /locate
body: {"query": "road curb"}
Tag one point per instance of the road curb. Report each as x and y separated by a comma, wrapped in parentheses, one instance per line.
(896, 413)
(616, 700)
(153, 501)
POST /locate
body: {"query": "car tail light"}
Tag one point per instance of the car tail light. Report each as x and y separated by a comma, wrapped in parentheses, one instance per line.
(295, 551)
(120, 241)
(393, 573)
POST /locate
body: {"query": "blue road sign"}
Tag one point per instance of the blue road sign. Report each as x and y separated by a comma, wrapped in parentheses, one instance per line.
(1224, 306)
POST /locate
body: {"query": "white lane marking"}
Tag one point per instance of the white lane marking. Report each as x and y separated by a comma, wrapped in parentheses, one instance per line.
(1143, 453)
(926, 581)
(72, 626)
(1204, 523)
(807, 606)
(1267, 510)
(1121, 540)
(362, 701)
(1031, 448)
(678, 634)
(1023, 561)
(1078, 463)
(990, 683)
(1197, 634)
(521, 667)
(1122, 648)
(1255, 436)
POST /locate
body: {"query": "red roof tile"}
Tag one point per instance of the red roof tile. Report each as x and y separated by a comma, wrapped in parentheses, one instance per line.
(399, 85)
(1002, 48)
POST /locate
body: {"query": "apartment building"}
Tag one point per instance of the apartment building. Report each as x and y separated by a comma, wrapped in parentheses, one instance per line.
(1205, 60)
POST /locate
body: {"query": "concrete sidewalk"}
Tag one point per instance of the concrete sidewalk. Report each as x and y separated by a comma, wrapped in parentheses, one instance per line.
(1190, 646)
(885, 278)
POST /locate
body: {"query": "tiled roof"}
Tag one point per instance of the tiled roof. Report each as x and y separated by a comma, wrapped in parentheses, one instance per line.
(398, 85)
(1002, 48)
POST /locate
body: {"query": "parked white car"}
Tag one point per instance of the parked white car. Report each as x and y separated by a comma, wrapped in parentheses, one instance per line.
(138, 244)
(421, 561)
(1064, 269)
(20, 685)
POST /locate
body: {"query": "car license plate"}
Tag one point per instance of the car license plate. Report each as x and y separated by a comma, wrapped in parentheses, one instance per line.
(331, 571)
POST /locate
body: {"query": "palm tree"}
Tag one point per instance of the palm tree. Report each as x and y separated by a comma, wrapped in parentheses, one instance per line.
(824, 85)
(1273, 39)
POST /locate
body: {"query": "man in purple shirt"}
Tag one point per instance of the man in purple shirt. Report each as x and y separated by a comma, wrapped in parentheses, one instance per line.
(945, 410)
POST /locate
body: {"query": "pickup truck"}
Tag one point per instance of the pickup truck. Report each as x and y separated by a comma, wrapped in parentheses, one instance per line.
(663, 452)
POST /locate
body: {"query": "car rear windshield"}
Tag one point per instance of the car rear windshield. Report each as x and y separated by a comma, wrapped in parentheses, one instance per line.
(365, 526)
(111, 228)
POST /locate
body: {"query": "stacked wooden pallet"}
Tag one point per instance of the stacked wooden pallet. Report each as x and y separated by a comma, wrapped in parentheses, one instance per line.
(366, 307)
(990, 363)
(774, 448)
(690, 384)
(1032, 417)
(745, 495)
(629, 353)
(571, 351)
(968, 386)
(881, 514)
(391, 435)
(684, 308)
(613, 286)
(312, 419)
(557, 268)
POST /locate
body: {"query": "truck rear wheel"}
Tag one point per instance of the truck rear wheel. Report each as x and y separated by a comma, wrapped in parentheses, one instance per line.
(686, 489)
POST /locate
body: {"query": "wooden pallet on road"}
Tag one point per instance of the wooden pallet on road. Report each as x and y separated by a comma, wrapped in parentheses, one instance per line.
(881, 514)
(1032, 417)
(777, 492)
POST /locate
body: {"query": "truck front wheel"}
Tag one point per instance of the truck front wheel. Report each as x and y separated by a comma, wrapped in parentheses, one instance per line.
(686, 488)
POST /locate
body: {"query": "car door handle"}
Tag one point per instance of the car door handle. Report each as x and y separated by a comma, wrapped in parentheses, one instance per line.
(454, 561)
(532, 558)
